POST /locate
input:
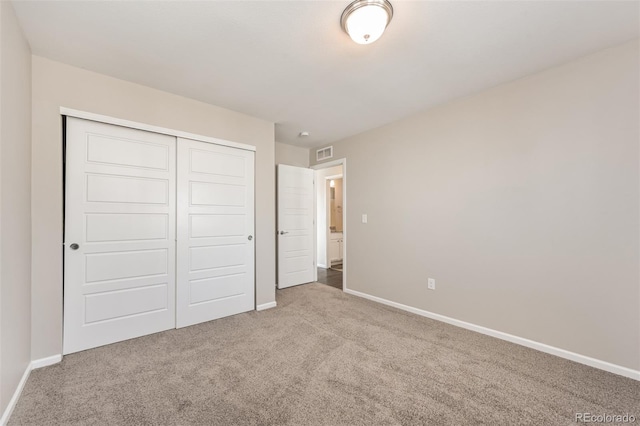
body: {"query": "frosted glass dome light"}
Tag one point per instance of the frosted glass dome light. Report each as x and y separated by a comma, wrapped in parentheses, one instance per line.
(366, 20)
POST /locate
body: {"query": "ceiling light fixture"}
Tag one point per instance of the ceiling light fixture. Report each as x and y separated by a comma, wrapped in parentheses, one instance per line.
(366, 20)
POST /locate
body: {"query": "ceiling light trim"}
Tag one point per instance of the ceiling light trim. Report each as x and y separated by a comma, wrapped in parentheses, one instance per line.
(358, 4)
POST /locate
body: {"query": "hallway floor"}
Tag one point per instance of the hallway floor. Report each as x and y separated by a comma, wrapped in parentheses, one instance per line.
(330, 277)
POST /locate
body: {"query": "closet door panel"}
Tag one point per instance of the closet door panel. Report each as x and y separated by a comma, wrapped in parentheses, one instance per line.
(215, 257)
(119, 252)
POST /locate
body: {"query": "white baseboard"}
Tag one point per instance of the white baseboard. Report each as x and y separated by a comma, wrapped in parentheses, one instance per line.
(320, 265)
(266, 306)
(562, 353)
(15, 397)
(38, 363)
(44, 362)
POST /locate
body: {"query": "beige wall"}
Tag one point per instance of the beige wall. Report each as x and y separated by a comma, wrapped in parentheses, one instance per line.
(521, 201)
(15, 204)
(56, 85)
(292, 155)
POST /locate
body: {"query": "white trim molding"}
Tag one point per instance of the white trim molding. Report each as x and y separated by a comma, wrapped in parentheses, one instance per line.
(150, 128)
(38, 363)
(345, 264)
(562, 353)
(45, 362)
(16, 395)
(266, 306)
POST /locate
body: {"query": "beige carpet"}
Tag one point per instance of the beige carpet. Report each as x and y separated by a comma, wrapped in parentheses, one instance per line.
(320, 357)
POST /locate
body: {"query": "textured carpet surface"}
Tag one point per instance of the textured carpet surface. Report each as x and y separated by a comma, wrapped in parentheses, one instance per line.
(320, 357)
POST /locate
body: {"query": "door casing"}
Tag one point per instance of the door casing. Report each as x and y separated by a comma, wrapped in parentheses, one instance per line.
(345, 264)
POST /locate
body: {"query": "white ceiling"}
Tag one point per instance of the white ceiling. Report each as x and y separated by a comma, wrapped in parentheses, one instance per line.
(289, 61)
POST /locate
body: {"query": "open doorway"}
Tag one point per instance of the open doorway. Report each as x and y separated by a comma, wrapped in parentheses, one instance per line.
(330, 223)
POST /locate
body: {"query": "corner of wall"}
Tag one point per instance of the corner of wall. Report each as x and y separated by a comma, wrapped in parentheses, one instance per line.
(15, 207)
(291, 155)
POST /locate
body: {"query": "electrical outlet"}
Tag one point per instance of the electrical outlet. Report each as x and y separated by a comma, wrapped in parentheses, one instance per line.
(431, 284)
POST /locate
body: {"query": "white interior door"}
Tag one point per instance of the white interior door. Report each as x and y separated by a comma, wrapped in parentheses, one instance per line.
(119, 252)
(215, 272)
(296, 258)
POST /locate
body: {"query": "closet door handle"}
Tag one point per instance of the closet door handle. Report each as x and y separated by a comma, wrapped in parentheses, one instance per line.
(74, 246)
(283, 232)
(250, 237)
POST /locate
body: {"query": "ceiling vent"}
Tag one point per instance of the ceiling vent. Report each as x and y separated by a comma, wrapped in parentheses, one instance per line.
(324, 153)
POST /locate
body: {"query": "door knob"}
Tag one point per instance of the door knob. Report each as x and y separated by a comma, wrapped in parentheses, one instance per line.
(74, 246)
(250, 237)
(283, 232)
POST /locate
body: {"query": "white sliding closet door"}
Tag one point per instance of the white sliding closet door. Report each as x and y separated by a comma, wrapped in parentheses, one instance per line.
(119, 252)
(215, 268)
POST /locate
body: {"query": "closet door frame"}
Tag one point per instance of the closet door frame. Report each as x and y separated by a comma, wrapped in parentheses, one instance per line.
(69, 112)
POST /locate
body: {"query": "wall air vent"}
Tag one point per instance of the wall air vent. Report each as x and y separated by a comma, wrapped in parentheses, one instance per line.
(324, 153)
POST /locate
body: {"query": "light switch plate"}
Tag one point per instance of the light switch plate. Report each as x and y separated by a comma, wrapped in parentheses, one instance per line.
(364, 218)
